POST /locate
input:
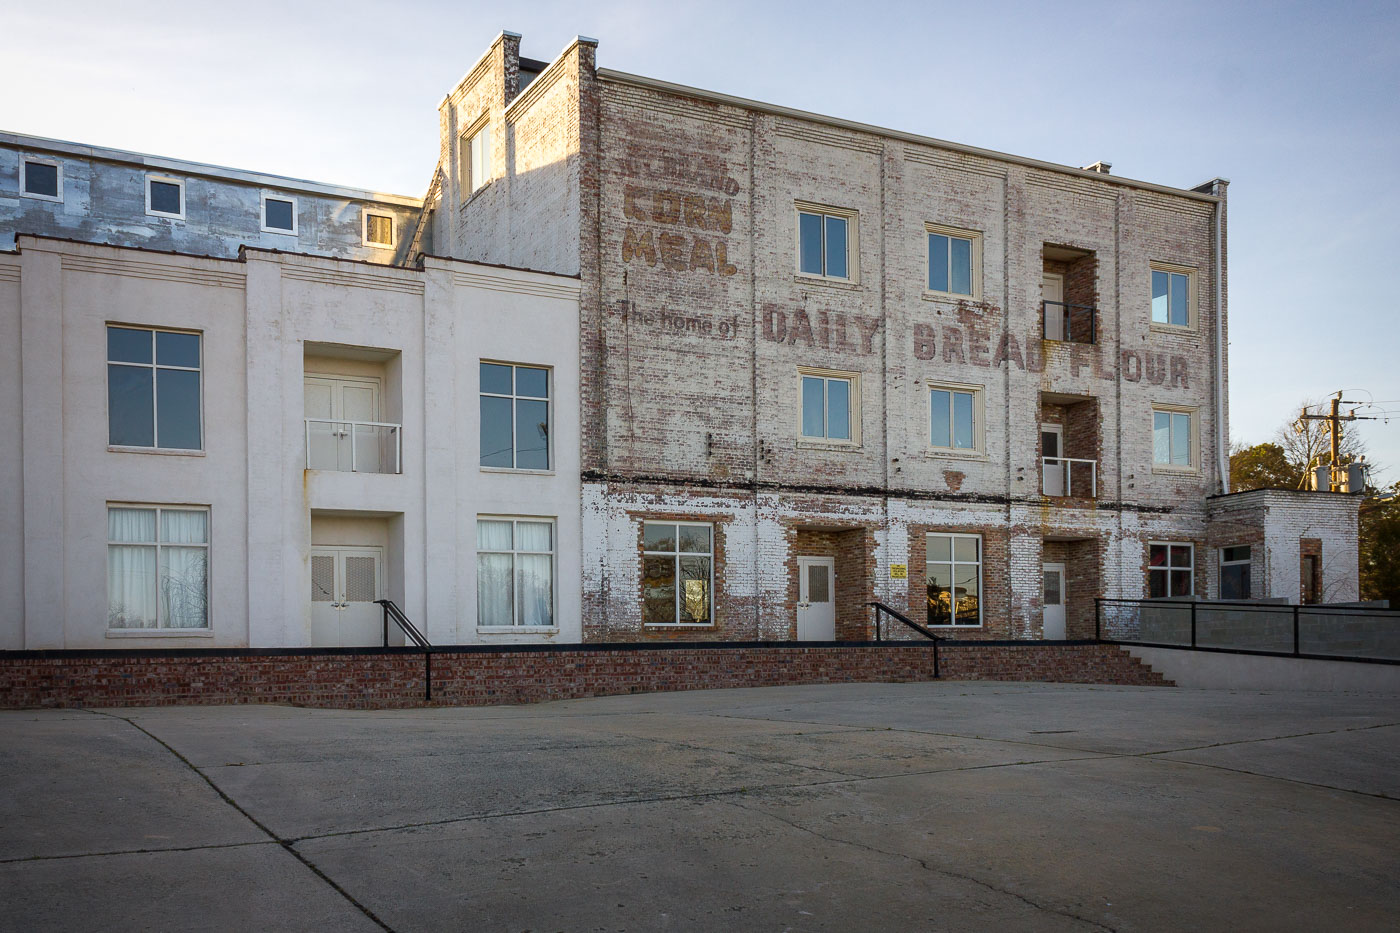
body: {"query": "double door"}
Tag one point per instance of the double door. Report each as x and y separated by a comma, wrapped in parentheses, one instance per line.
(345, 582)
(341, 424)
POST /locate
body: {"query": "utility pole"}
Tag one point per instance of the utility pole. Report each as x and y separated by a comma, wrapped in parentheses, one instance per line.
(1334, 428)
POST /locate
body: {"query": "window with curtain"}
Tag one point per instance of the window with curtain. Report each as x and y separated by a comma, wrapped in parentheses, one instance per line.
(514, 417)
(153, 388)
(678, 574)
(157, 567)
(514, 572)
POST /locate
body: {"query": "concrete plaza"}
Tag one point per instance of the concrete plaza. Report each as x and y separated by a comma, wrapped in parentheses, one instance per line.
(953, 805)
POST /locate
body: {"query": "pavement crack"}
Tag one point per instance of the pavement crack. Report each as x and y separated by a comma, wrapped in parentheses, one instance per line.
(157, 850)
(926, 866)
(286, 844)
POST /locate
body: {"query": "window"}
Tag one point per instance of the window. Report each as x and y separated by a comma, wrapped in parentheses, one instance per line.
(678, 573)
(165, 197)
(514, 572)
(1170, 570)
(953, 418)
(1234, 572)
(157, 567)
(379, 229)
(1171, 296)
(826, 242)
(954, 261)
(514, 417)
(153, 389)
(829, 406)
(1173, 438)
(42, 179)
(279, 214)
(474, 150)
(954, 571)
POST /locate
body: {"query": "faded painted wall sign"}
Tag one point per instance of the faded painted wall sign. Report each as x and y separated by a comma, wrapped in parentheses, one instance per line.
(683, 224)
(830, 330)
(680, 322)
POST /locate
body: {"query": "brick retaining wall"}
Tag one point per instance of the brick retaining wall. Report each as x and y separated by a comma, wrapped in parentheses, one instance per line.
(372, 679)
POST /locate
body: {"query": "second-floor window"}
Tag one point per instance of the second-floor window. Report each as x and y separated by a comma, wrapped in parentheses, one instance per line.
(514, 416)
(953, 418)
(828, 406)
(154, 388)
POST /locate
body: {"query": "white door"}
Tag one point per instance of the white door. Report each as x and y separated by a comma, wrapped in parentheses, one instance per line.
(337, 404)
(1053, 627)
(1052, 468)
(816, 610)
(344, 587)
(1052, 289)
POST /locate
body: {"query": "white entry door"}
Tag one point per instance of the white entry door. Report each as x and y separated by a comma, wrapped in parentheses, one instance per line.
(816, 608)
(337, 404)
(1052, 470)
(1052, 289)
(1053, 626)
(344, 585)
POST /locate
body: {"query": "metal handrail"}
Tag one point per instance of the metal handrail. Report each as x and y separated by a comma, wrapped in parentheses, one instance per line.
(392, 611)
(1068, 310)
(880, 608)
(1093, 474)
(395, 426)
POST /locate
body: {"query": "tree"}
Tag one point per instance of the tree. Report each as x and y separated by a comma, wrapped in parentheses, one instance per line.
(1307, 444)
(1380, 547)
(1263, 466)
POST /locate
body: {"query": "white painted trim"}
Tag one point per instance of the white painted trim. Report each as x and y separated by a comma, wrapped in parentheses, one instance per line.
(208, 545)
(278, 196)
(975, 236)
(365, 213)
(978, 450)
(1192, 301)
(853, 378)
(1195, 429)
(165, 180)
(981, 574)
(24, 161)
(852, 218)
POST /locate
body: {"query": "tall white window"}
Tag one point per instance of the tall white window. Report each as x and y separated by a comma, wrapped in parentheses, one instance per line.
(829, 405)
(1171, 297)
(157, 567)
(826, 242)
(953, 419)
(514, 572)
(1170, 570)
(514, 417)
(475, 152)
(1173, 438)
(953, 567)
(678, 573)
(954, 261)
(153, 388)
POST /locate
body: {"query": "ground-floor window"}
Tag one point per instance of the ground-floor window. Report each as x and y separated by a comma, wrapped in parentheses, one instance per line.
(954, 570)
(1170, 570)
(514, 572)
(1234, 572)
(678, 573)
(157, 567)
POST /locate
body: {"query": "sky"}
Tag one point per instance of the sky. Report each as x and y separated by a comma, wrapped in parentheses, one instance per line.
(1298, 104)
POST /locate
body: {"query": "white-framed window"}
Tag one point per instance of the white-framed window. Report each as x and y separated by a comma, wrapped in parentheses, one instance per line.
(474, 152)
(514, 572)
(827, 242)
(41, 178)
(1234, 572)
(830, 406)
(515, 416)
(1174, 445)
(678, 573)
(954, 262)
(154, 388)
(1173, 292)
(165, 196)
(953, 571)
(955, 418)
(279, 213)
(378, 228)
(157, 567)
(1171, 569)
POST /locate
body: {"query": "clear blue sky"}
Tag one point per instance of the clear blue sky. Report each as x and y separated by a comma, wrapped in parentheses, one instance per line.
(1296, 103)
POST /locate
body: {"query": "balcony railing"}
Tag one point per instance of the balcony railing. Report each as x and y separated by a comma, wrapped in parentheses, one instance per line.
(354, 446)
(1057, 476)
(1070, 323)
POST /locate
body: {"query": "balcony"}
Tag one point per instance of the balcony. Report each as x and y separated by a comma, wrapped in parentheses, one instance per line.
(1069, 322)
(354, 446)
(1058, 477)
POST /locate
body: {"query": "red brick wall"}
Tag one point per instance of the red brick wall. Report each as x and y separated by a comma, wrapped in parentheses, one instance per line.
(481, 678)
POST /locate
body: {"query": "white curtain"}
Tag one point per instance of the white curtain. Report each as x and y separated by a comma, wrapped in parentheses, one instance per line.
(494, 597)
(149, 591)
(131, 569)
(536, 589)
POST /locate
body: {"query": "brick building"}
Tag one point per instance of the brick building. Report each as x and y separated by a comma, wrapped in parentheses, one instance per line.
(818, 364)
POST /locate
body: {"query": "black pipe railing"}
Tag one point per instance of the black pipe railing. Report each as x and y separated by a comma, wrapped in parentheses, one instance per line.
(410, 631)
(882, 610)
(1074, 323)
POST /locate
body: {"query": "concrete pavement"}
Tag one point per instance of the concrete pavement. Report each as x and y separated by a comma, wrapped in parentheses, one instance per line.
(947, 806)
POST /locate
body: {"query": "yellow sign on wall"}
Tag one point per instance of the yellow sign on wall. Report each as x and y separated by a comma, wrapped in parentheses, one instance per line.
(899, 571)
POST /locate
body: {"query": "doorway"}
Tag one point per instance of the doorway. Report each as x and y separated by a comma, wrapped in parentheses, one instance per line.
(1053, 624)
(1052, 292)
(341, 419)
(816, 610)
(345, 582)
(1052, 442)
